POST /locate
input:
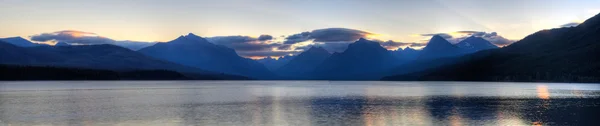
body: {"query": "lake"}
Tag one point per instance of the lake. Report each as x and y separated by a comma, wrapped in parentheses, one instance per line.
(348, 103)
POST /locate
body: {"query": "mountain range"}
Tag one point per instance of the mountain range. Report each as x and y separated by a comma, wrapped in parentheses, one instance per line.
(360, 58)
(438, 47)
(195, 51)
(274, 64)
(562, 54)
(568, 54)
(304, 63)
(101, 57)
(406, 54)
(474, 44)
(21, 42)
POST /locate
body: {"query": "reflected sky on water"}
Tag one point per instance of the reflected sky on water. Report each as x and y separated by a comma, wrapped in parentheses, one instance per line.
(296, 103)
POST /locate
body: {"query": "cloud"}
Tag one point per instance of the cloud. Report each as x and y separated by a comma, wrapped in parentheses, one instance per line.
(496, 39)
(332, 46)
(443, 35)
(327, 35)
(467, 32)
(296, 38)
(265, 37)
(263, 45)
(473, 33)
(253, 47)
(267, 53)
(337, 35)
(394, 45)
(74, 37)
(285, 47)
(228, 40)
(572, 24)
(493, 37)
(242, 44)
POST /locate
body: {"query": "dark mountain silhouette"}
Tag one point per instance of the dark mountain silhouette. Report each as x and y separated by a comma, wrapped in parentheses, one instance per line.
(195, 51)
(21, 42)
(438, 47)
(563, 54)
(406, 54)
(97, 57)
(442, 53)
(274, 64)
(109, 57)
(133, 45)
(362, 58)
(474, 44)
(62, 44)
(304, 63)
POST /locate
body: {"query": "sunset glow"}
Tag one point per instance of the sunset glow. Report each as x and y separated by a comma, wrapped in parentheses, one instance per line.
(542, 92)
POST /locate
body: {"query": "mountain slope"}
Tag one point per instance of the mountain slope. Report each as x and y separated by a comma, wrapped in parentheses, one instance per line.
(274, 64)
(406, 54)
(107, 57)
(21, 42)
(474, 44)
(305, 62)
(362, 58)
(438, 47)
(563, 54)
(195, 51)
(62, 44)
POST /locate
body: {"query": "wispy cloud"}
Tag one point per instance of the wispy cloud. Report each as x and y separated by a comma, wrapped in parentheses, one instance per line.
(392, 45)
(74, 37)
(458, 36)
(327, 35)
(571, 24)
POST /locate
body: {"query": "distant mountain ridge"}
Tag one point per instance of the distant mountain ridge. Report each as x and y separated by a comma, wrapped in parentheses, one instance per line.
(274, 64)
(195, 51)
(406, 54)
(21, 42)
(438, 47)
(559, 55)
(61, 44)
(360, 58)
(474, 44)
(107, 57)
(304, 63)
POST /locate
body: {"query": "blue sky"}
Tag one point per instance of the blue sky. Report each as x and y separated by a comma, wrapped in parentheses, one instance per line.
(396, 20)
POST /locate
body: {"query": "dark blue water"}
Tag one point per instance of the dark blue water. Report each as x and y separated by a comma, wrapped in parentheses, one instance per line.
(297, 103)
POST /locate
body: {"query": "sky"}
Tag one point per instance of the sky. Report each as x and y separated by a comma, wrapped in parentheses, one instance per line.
(409, 22)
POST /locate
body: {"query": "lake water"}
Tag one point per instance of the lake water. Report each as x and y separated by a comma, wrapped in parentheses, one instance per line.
(278, 103)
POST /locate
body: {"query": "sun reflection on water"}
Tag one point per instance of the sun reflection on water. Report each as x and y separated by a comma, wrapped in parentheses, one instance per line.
(542, 92)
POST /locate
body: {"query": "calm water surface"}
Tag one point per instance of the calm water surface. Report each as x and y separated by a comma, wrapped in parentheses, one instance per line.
(296, 103)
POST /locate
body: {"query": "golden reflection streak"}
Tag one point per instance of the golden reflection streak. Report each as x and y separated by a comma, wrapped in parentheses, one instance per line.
(537, 124)
(455, 119)
(508, 115)
(542, 92)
